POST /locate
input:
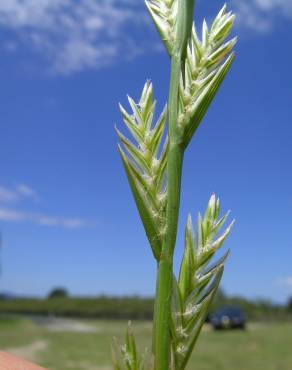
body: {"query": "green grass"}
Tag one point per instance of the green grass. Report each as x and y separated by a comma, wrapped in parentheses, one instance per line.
(261, 347)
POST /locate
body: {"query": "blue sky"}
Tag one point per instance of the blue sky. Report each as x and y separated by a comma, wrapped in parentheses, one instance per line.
(67, 217)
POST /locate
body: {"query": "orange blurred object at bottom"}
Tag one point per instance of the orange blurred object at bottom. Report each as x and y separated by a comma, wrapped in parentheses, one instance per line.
(11, 362)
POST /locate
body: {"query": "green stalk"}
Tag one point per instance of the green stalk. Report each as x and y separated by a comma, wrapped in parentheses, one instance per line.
(162, 311)
(165, 265)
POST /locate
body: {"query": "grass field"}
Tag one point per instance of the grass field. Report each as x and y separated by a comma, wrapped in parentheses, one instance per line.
(84, 345)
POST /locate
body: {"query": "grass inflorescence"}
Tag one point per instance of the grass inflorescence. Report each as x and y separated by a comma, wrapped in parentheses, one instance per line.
(153, 161)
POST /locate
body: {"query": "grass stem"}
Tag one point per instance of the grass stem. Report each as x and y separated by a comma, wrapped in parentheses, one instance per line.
(165, 270)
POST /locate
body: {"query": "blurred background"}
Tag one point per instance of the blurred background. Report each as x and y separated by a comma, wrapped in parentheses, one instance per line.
(75, 264)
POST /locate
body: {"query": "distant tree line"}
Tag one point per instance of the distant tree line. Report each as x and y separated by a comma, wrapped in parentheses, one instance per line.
(60, 303)
(100, 307)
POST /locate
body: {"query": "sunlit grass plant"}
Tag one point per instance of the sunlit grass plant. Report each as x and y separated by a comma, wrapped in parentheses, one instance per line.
(153, 162)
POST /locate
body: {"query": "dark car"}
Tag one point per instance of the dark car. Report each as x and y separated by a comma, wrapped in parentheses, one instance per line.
(228, 318)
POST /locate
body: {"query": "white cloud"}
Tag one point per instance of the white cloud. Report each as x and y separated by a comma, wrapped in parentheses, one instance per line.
(11, 215)
(74, 35)
(27, 192)
(287, 281)
(23, 192)
(17, 193)
(7, 195)
(262, 15)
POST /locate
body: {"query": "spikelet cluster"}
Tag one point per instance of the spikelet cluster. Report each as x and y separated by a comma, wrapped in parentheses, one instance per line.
(145, 163)
(164, 15)
(198, 281)
(207, 63)
(126, 357)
